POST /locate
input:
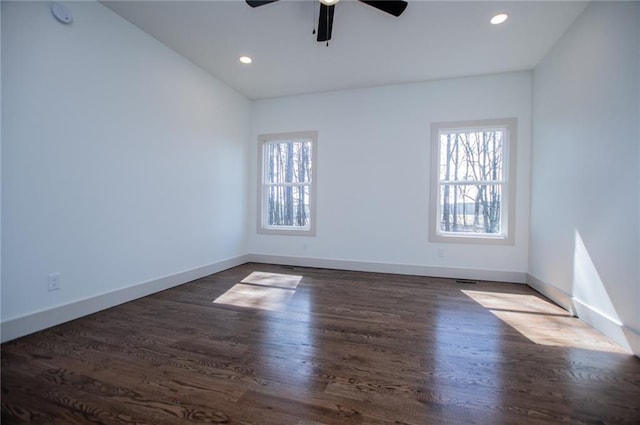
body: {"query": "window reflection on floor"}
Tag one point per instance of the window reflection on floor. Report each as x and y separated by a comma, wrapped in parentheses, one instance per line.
(286, 342)
(261, 290)
(542, 322)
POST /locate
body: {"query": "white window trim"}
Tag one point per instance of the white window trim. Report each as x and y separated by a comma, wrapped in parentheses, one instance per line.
(508, 223)
(261, 210)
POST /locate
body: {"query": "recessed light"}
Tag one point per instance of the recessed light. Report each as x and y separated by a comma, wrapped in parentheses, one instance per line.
(499, 18)
(245, 59)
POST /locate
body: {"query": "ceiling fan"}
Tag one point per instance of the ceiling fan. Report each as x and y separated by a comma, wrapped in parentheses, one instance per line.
(325, 22)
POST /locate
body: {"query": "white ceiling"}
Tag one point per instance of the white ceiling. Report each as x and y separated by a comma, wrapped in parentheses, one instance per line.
(431, 40)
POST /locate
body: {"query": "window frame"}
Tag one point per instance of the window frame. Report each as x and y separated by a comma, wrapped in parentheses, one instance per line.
(507, 237)
(261, 213)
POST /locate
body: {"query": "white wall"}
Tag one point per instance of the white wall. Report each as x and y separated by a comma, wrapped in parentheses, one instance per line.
(0, 164)
(122, 162)
(585, 160)
(373, 175)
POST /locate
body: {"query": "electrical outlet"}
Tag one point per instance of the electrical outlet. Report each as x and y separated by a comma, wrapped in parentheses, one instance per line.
(441, 252)
(53, 282)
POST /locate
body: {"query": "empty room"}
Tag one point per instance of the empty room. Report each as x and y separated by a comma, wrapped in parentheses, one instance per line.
(320, 212)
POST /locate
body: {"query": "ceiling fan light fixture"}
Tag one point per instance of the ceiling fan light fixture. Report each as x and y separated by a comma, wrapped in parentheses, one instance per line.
(499, 18)
(329, 2)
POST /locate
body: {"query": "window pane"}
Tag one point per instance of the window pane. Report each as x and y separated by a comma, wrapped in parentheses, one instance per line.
(471, 208)
(288, 162)
(288, 206)
(472, 155)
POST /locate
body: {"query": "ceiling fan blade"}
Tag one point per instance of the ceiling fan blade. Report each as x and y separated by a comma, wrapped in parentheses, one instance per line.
(393, 7)
(325, 22)
(256, 3)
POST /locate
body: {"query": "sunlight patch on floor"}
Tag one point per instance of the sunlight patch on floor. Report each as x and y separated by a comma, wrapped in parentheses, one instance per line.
(262, 291)
(273, 279)
(542, 322)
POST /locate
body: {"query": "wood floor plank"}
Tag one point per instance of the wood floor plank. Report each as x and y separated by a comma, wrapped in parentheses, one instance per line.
(345, 348)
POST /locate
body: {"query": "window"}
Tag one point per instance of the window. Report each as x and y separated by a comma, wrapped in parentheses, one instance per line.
(473, 181)
(286, 195)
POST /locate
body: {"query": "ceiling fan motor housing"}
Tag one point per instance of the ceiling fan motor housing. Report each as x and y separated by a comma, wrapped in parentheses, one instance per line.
(327, 7)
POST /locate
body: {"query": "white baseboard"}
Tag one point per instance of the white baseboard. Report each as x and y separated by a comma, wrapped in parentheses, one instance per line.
(405, 269)
(620, 333)
(25, 325)
(633, 336)
(623, 335)
(556, 295)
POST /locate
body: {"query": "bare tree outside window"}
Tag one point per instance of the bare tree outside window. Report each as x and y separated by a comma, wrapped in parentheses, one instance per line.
(287, 183)
(288, 178)
(471, 181)
(472, 185)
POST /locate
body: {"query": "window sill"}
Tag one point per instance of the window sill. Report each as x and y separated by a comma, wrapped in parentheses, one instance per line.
(285, 231)
(472, 240)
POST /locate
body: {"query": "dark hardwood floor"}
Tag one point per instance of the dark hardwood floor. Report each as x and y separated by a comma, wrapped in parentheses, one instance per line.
(322, 347)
